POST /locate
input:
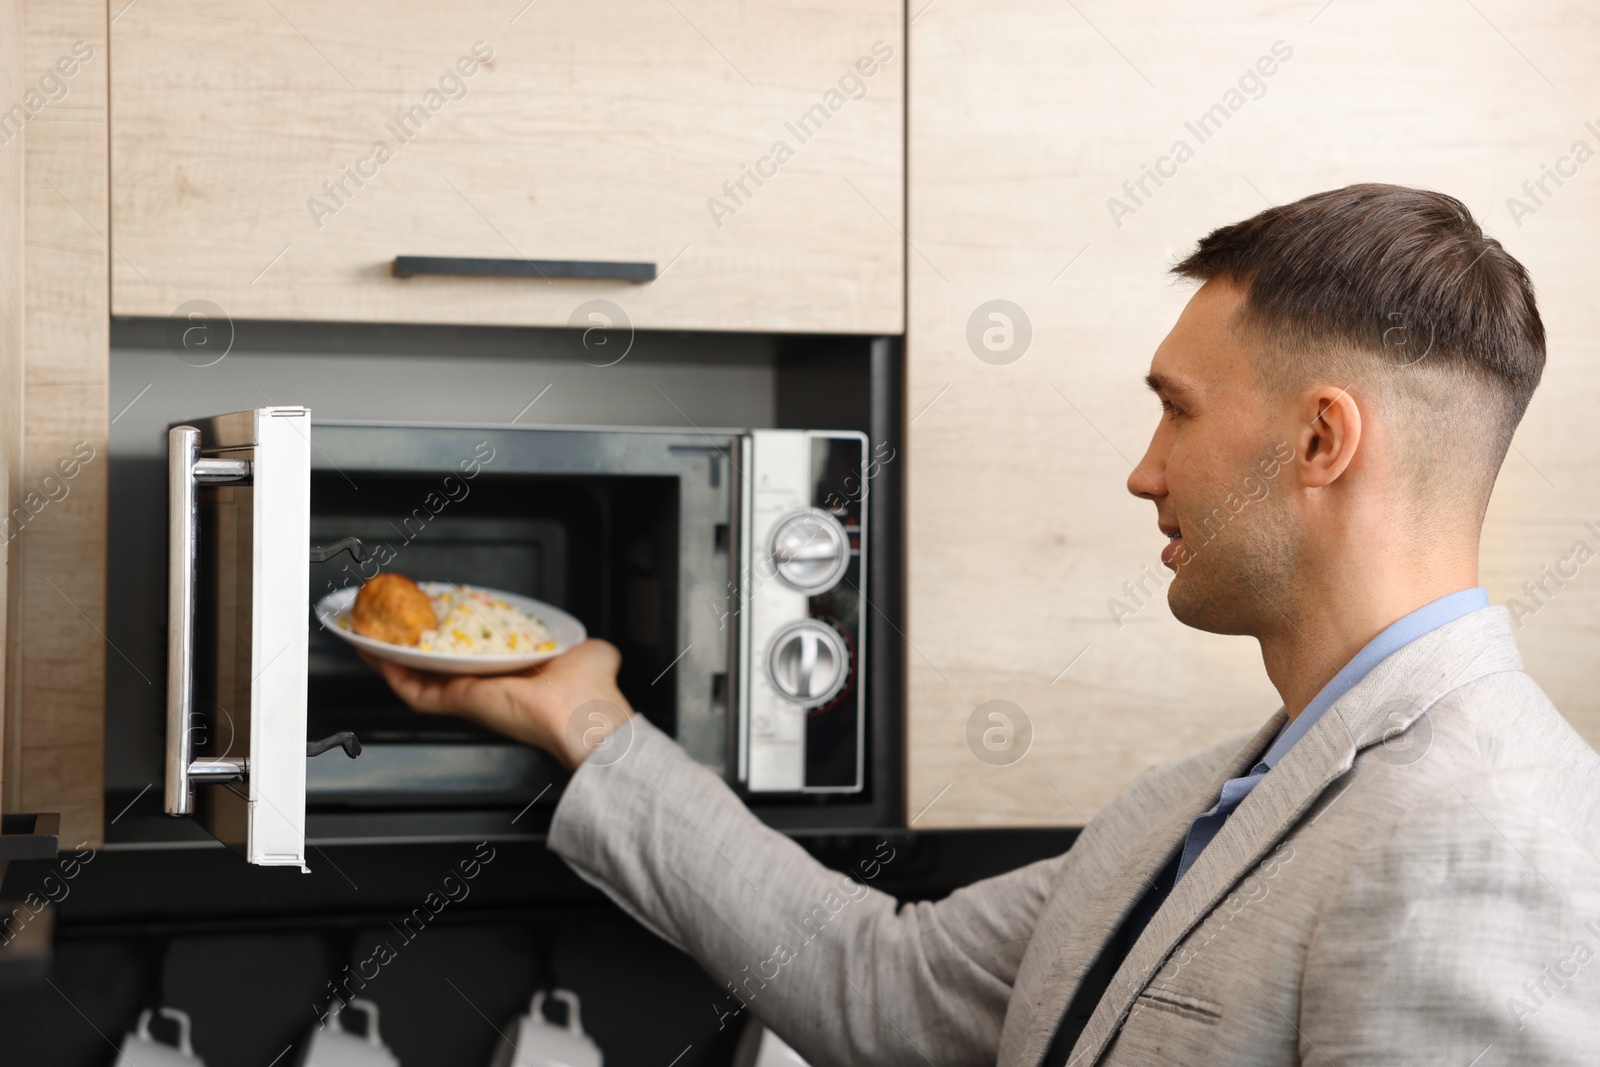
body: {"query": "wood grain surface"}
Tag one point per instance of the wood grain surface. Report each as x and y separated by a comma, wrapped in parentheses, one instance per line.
(597, 131)
(1026, 119)
(10, 359)
(56, 695)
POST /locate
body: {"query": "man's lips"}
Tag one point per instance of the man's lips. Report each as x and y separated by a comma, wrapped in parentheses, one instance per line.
(1170, 551)
(1175, 539)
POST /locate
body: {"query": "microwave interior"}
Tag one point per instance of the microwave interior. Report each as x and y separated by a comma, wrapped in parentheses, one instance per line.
(603, 548)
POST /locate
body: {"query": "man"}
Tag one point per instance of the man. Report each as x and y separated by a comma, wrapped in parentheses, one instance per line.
(1402, 865)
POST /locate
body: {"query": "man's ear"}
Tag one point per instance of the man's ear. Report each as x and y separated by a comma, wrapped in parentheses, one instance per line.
(1329, 436)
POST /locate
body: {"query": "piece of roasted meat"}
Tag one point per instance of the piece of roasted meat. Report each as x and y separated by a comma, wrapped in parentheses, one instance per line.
(392, 608)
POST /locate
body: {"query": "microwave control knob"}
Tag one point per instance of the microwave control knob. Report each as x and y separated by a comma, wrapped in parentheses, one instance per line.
(809, 662)
(811, 550)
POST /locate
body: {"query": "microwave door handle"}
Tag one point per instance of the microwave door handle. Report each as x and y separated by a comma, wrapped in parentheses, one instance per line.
(186, 471)
(183, 451)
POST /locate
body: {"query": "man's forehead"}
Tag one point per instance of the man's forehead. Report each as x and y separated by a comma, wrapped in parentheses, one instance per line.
(1203, 347)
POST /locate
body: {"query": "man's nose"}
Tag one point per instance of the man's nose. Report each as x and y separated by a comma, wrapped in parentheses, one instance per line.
(1148, 479)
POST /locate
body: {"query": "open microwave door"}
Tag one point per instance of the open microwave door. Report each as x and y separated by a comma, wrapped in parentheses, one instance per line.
(239, 534)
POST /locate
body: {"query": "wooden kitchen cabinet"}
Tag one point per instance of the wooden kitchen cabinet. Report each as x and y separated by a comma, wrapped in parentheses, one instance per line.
(53, 420)
(10, 347)
(272, 160)
(1032, 576)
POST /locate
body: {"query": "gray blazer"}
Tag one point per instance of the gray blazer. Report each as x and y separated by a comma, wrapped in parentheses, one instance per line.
(1418, 881)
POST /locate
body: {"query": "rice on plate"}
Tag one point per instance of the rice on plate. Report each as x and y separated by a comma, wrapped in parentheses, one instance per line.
(474, 622)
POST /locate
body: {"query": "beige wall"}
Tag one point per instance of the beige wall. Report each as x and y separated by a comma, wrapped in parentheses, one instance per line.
(1025, 118)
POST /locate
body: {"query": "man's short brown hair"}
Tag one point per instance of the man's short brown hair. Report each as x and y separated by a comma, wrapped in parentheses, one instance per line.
(1398, 287)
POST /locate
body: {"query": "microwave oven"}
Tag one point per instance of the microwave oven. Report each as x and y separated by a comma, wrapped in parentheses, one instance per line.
(730, 567)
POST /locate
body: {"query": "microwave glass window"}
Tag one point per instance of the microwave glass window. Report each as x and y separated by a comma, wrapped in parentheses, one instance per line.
(603, 548)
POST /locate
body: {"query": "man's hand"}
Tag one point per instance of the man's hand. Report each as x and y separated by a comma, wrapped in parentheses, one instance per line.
(566, 706)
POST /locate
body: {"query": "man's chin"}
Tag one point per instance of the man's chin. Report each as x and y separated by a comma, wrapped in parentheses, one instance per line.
(1195, 608)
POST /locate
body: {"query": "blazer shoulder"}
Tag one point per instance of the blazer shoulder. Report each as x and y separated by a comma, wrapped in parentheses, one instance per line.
(1502, 730)
(1515, 722)
(1489, 762)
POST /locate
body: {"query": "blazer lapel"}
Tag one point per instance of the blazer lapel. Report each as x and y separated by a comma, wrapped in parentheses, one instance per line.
(1097, 916)
(1382, 705)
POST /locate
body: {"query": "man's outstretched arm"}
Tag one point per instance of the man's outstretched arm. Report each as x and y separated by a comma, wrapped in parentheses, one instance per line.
(833, 965)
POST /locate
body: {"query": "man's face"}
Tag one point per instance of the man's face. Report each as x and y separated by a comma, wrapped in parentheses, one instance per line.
(1219, 474)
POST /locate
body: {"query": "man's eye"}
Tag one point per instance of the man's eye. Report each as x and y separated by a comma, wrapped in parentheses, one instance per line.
(1171, 409)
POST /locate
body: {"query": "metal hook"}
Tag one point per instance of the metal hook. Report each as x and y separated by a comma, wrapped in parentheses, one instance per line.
(345, 739)
(352, 545)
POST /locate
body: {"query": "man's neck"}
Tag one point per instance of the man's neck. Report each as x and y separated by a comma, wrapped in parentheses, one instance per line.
(1336, 619)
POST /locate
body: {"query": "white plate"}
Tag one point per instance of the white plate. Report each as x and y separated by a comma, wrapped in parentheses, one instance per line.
(563, 629)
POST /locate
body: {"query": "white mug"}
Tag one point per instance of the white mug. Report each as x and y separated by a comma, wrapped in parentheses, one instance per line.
(760, 1047)
(332, 1045)
(539, 1043)
(139, 1049)
(775, 1052)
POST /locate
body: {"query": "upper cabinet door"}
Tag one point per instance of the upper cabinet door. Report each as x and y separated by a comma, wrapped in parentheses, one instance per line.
(273, 161)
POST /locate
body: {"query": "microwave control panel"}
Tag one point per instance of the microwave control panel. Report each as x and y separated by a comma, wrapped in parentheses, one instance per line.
(802, 701)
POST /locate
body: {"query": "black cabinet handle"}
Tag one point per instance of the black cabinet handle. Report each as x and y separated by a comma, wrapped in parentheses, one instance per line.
(468, 266)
